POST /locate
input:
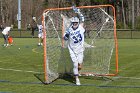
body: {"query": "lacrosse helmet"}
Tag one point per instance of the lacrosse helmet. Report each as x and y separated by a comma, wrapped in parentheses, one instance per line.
(75, 22)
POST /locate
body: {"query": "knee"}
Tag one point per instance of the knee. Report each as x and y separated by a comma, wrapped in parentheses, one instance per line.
(75, 65)
(79, 66)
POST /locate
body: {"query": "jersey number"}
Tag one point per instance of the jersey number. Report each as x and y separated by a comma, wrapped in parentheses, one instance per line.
(77, 38)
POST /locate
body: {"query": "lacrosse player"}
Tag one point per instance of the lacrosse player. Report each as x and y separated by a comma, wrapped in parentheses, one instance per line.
(5, 33)
(33, 26)
(75, 37)
(40, 35)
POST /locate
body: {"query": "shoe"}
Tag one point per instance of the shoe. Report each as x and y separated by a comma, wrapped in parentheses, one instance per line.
(6, 45)
(78, 82)
(79, 75)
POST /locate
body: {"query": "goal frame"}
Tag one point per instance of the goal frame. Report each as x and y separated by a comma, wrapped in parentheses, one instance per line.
(68, 8)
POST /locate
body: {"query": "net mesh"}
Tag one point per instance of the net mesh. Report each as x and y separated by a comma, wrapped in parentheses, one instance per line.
(99, 40)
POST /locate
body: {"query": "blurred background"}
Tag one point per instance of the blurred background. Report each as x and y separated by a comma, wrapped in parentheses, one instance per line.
(127, 13)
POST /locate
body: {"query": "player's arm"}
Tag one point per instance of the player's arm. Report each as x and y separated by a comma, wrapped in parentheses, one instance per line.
(66, 35)
(76, 10)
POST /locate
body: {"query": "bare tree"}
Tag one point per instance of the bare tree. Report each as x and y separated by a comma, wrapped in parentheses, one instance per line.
(124, 22)
(133, 14)
(8, 9)
(138, 7)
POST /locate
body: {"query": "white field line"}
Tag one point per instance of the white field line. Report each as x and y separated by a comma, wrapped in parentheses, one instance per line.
(9, 62)
(16, 63)
(16, 70)
(118, 77)
(34, 50)
(121, 77)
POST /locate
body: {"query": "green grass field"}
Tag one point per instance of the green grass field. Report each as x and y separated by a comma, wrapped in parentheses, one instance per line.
(18, 66)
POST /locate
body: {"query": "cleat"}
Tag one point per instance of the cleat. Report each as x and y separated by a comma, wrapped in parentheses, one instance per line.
(39, 44)
(78, 82)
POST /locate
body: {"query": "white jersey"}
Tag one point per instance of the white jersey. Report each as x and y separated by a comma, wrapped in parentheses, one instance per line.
(40, 31)
(76, 39)
(6, 30)
(40, 27)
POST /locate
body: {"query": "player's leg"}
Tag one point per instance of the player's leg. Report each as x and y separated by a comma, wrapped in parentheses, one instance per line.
(76, 73)
(41, 38)
(39, 41)
(80, 60)
(32, 33)
(5, 40)
(75, 60)
(79, 66)
(75, 67)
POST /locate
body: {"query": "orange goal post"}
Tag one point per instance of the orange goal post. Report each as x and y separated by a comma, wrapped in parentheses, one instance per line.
(100, 26)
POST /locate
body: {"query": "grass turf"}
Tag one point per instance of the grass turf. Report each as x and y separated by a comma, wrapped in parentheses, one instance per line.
(18, 66)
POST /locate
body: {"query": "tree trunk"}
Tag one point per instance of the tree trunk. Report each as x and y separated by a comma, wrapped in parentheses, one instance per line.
(124, 22)
(133, 14)
(138, 8)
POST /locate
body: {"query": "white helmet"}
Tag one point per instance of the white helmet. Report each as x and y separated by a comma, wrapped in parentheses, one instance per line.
(75, 22)
(75, 19)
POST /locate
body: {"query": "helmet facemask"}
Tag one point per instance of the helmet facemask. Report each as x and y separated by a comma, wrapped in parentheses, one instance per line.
(75, 22)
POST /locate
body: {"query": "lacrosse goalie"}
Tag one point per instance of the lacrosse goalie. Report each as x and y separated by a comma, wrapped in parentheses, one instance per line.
(75, 37)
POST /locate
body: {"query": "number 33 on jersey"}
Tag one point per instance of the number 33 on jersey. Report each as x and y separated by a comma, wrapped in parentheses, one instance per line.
(76, 36)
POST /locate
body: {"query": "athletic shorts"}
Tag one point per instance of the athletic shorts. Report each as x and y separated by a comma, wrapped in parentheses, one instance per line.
(40, 35)
(77, 57)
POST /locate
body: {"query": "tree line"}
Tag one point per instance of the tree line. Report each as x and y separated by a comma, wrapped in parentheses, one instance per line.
(127, 11)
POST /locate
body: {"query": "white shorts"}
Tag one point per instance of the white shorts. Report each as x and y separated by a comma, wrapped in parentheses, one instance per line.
(40, 35)
(77, 57)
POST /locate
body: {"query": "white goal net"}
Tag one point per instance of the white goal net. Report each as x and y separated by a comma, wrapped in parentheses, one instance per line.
(100, 40)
